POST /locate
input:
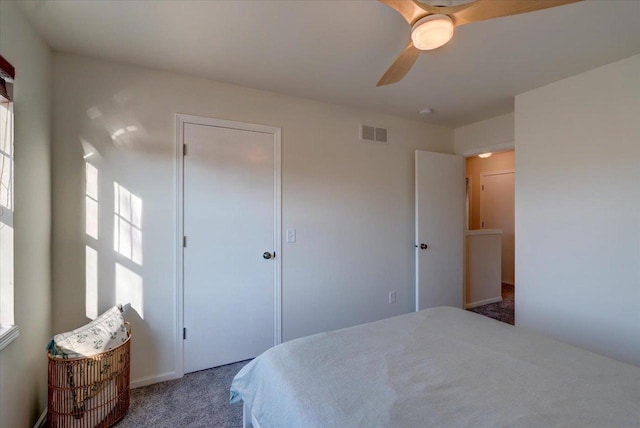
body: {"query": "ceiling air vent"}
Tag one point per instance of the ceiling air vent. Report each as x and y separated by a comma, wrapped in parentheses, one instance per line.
(374, 135)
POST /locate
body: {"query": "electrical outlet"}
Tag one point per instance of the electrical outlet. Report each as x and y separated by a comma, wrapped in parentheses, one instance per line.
(392, 297)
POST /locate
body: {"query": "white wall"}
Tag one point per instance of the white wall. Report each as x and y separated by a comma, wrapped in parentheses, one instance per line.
(489, 135)
(351, 202)
(483, 267)
(578, 210)
(23, 364)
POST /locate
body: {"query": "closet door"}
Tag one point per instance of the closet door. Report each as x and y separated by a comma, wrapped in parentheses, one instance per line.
(230, 224)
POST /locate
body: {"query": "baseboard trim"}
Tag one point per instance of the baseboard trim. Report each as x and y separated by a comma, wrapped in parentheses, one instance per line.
(42, 420)
(483, 302)
(163, 377)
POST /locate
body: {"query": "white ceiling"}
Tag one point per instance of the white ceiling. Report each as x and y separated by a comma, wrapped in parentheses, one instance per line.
(336, 51)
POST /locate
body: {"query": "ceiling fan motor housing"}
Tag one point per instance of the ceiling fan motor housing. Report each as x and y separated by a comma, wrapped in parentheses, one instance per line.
(432, 31)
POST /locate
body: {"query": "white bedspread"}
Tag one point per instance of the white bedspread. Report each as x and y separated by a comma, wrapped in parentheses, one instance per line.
(441, 367)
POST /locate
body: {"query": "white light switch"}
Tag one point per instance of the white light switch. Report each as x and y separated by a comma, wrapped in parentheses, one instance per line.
(392, 297)
(291, 236)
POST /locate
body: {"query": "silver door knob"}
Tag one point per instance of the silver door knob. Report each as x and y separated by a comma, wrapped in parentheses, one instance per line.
(267, 255)
(422, 246)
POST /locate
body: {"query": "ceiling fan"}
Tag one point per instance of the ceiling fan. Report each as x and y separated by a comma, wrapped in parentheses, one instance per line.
(433, 26)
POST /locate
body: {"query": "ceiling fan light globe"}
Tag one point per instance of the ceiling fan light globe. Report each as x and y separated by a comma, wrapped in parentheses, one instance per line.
(432, 31)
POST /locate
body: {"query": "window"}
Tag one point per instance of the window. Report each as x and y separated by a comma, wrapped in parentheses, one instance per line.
(8, 331)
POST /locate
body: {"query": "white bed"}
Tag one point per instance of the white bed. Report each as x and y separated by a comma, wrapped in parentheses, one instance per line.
(441, 367)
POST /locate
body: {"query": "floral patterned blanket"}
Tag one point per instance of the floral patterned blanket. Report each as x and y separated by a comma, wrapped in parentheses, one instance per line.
(92, 383)
(100, 335)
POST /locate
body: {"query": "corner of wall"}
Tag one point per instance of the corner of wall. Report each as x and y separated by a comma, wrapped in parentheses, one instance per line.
(23, 364)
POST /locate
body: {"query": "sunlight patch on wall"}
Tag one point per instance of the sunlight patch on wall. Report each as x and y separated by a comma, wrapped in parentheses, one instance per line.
(88, 150)
(94, 113)
(127, 224)
(91, 201)
(121, 131)
(91, 283)
(129, 289)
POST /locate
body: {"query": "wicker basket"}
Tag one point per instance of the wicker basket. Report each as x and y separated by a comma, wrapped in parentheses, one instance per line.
(91, 391)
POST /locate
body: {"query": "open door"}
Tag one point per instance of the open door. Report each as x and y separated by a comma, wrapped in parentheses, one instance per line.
(440, 199)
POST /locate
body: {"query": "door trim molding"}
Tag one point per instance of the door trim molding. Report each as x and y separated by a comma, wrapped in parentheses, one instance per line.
(181, 121)
(498, 172)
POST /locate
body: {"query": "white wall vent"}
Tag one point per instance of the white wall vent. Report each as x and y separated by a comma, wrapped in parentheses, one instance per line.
(373, 134)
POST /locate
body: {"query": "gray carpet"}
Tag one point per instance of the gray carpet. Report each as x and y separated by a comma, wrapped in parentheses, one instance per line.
(502, 311)
(201, 399)
(198, 400)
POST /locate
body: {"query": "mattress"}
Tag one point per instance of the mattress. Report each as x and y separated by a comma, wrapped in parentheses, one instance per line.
(440, 367)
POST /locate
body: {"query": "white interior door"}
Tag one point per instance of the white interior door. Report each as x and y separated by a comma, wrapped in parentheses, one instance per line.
(231, 227)
(497, 211)
(440, 208)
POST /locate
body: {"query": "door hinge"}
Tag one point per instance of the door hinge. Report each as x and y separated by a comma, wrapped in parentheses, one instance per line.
(184, 242)
(184, 150)
(184, 333)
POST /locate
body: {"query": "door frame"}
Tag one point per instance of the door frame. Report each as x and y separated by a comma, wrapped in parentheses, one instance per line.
(468, 196)
(181, 121)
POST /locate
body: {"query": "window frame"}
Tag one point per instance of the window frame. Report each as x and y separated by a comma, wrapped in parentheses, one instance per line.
(9, 330)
